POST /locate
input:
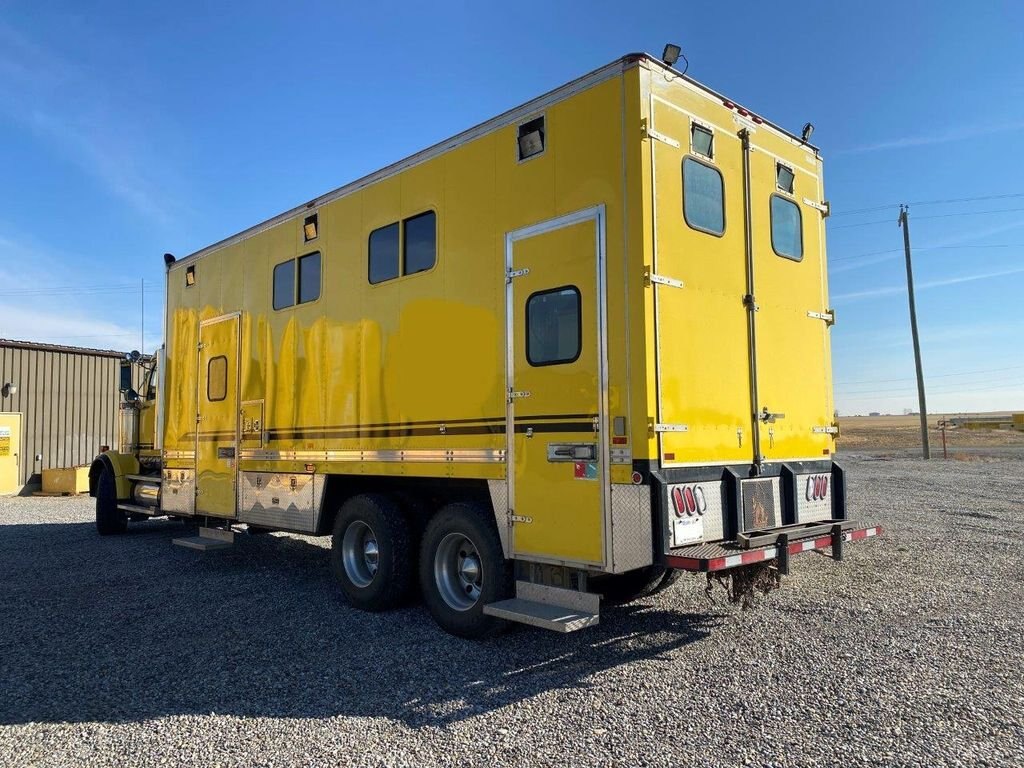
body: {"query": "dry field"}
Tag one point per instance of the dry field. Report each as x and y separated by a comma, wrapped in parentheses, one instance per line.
(901, 436)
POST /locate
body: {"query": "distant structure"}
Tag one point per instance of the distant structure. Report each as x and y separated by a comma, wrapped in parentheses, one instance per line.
(988, 421)
(58, 403)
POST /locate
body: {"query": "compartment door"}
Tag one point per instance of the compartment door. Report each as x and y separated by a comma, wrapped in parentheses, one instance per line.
(217, 417)
(557, 457)
(10, 442)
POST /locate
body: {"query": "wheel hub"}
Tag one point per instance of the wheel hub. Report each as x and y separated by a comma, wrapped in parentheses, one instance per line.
(360, 553)
(458, 571)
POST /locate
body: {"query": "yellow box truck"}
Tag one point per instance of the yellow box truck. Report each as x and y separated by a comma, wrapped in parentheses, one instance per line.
(555, 359)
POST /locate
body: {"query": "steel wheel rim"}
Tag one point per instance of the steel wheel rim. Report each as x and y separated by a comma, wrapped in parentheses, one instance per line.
(458, 571)
(360, 553)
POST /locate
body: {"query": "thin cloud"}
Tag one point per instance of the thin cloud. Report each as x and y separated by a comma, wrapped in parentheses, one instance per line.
(928, 139)
(896, 289)
(82, 121)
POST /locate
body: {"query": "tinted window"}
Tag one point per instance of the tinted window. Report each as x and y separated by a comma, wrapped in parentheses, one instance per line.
(703, 197)
(309, 278)
(783, 177)
(420, 242)
(384, 253)
(284, 285)
(553, 325)
(217, 378)
(787, 232)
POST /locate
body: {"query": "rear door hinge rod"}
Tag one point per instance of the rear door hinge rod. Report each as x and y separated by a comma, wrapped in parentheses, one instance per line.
(651, 278)
(649, 133)
(829, 316)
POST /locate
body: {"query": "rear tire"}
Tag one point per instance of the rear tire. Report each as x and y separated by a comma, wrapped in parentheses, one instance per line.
(623, 588)
(109, 519)
(373, 556)
(462, 569)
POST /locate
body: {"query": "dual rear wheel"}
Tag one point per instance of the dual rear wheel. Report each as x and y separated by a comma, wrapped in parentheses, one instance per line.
(458, 562)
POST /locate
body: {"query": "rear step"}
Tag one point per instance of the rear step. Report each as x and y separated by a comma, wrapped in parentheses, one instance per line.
(554, 608)
(207, 540)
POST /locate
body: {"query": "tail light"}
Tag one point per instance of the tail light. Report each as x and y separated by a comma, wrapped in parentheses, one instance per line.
(817, 488)
(689, 500)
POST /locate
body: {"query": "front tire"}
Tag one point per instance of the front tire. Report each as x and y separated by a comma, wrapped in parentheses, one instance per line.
(462, 569)
(373, 553)
(109, 519)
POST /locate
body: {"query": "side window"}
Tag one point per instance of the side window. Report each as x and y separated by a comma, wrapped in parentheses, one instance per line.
(418, 252)
(384, 253)
(787, 228)
(309, 277)
(702, 141)
(284, 284)
(307, 285)
(217, 379)
(553, 326)
(420, 242)
(703, 197)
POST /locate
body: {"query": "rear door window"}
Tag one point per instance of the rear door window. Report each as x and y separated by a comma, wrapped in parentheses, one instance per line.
(703, 197)
(553, 326)
(787, 228)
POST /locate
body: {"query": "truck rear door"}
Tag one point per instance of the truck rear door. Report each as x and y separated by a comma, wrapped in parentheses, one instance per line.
(792, 318)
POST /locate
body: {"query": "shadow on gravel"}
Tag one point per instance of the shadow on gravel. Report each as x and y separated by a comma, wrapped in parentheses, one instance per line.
(130, 628)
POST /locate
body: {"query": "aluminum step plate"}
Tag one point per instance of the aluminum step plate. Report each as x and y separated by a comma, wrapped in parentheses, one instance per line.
(543, 615)
(202, 543)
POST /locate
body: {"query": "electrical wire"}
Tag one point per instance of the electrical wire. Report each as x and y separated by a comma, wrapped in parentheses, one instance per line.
(930, 202)
(935, 376)
(934, 216)
(923, 248)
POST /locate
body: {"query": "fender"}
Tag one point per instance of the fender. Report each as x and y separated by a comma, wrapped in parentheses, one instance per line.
(121, 464)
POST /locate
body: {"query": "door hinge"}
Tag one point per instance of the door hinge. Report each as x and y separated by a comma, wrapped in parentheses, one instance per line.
(200, 346)
(516, 394)
(829, 430)
(650, 278)
(749, 303)
(513, 518)
(829, 316)
(647, 132)
(824, 206)
(514, 273)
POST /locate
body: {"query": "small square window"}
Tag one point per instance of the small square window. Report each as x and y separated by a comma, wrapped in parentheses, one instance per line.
(310, 227)
(702, 141)
(384, 253)
(190, 276)
(531, 138)
(787, 228)
(784, 177)
(554, 326)
(284, 284)
(309, 277)
(217, 379)
(420, 242)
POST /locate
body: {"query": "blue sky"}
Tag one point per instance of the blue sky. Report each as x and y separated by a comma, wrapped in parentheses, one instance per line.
(129, 131)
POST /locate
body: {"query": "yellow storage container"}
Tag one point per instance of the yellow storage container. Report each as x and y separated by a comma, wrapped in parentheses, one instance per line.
(66, 480)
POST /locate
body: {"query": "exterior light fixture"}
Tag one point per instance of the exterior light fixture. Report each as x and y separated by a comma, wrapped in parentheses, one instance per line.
(808, 130)
(9, 389)
(671, 54)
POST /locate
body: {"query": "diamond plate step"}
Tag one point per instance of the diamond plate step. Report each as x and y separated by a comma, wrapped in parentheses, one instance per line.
(554, 608)
(208, 539)
(543, 615)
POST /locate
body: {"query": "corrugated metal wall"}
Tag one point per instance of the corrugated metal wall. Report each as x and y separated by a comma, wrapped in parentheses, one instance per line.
(68, 399)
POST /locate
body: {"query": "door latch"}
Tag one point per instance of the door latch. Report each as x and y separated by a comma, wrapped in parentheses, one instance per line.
(769, 418)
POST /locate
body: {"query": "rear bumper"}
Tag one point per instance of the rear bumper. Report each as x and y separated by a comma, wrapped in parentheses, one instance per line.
(778, 543)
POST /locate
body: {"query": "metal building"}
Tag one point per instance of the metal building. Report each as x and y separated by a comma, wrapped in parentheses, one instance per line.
(68, 402)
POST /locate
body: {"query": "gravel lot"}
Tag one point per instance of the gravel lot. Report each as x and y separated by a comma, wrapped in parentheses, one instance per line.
(127, 650)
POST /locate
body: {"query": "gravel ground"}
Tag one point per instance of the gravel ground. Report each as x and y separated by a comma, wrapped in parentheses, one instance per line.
(127, 650)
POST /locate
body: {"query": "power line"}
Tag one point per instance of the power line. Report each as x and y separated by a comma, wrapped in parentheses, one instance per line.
(931, 202)
(923, 248)
(934, 216)
(937, 376)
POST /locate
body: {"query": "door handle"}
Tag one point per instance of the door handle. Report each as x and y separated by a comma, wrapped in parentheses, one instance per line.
(770, 418)
(572, 451)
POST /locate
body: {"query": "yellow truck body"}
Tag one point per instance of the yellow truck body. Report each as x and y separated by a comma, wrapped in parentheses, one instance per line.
(584, 308)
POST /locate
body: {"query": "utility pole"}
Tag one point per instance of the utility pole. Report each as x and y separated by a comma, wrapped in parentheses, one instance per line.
(904, 222)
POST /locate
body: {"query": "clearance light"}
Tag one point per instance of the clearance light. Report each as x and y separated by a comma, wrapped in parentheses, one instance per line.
(309, 228)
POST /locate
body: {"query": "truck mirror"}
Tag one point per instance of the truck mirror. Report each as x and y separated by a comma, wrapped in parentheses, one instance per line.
(126, 376)
(131, 396)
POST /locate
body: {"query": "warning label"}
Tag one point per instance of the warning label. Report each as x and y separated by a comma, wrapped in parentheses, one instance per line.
(5, 441)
